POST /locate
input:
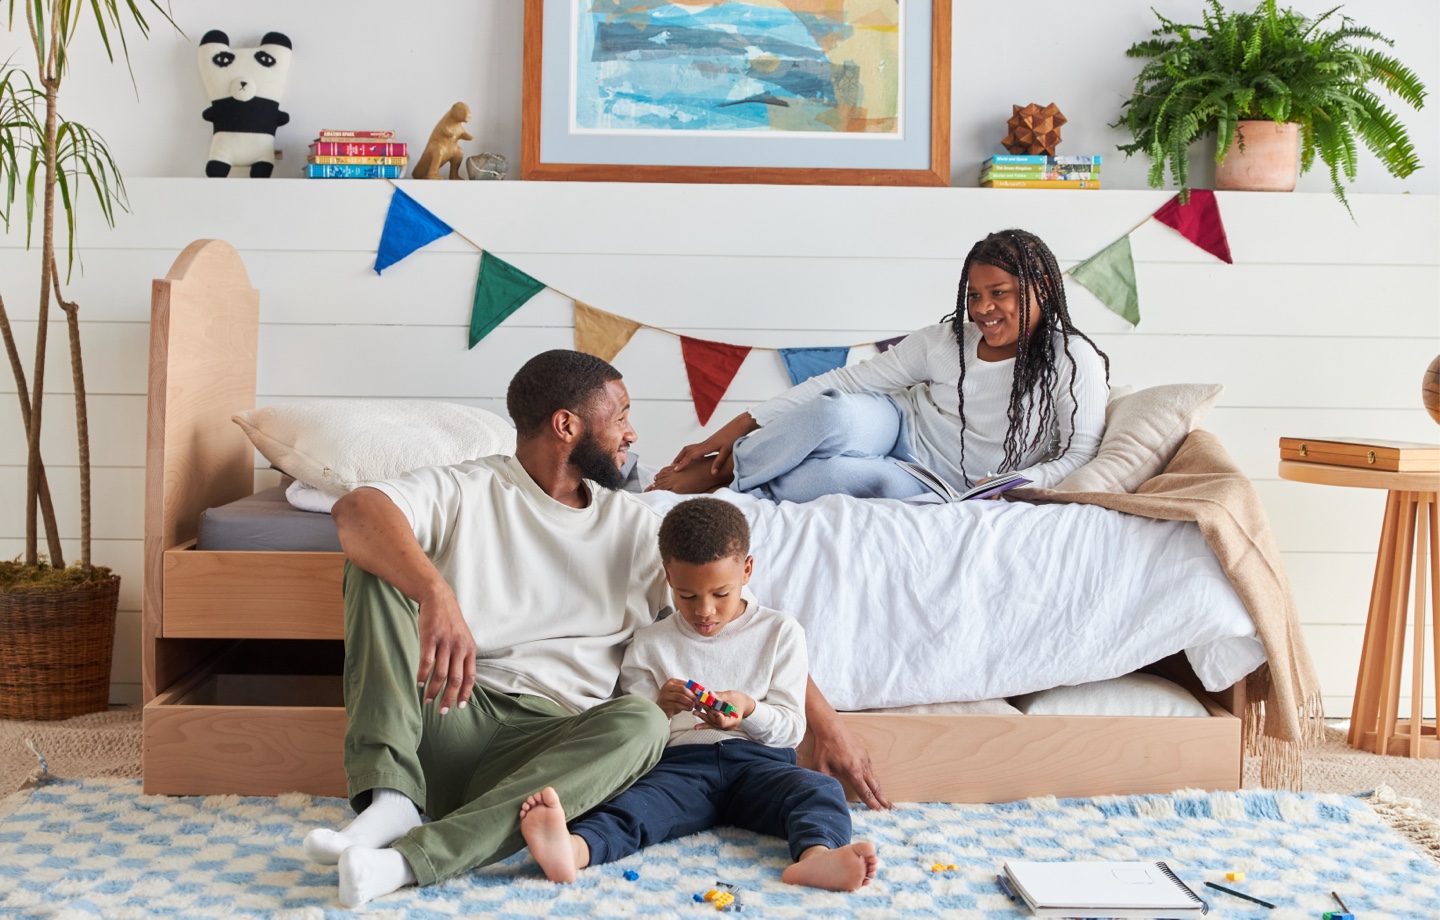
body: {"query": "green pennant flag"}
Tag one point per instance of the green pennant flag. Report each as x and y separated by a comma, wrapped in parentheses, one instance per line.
(500, 289)
(1110, 276)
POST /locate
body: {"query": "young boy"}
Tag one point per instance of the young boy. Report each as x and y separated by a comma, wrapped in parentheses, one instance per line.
(724, 769)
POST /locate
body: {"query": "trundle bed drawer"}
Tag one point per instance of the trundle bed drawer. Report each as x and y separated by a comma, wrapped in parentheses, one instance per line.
(265, 718)
(245, 595)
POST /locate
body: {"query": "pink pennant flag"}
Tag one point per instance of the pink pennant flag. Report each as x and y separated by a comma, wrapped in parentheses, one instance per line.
(710, 366)
(1198, 221)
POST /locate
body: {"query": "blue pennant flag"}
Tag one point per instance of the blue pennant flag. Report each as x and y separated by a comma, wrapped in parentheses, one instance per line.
(804, 363)
(408, 227)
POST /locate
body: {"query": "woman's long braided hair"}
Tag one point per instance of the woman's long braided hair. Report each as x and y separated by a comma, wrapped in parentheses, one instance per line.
(1025, 256)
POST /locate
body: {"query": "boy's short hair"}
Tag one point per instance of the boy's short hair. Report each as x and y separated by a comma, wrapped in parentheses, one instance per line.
(703, 530)
(551, 381)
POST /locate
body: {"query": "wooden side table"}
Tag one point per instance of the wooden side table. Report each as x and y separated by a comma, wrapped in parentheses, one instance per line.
(1411, 533)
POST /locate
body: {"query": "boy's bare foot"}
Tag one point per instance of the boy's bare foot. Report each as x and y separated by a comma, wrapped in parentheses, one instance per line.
(694, 479)
(542, 824)
(845, 869)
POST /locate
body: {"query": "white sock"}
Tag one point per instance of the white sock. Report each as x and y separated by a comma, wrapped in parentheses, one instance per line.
(390, 816)
(366, 873)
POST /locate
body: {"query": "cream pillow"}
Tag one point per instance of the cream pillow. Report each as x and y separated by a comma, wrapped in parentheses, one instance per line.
(337, 444)
(1131, 695)
(1143, 430)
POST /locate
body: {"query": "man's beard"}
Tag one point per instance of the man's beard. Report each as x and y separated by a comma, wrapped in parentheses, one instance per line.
(596, 463)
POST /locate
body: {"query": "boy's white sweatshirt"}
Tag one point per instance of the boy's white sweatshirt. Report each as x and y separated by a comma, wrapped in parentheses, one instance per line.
(761, 653)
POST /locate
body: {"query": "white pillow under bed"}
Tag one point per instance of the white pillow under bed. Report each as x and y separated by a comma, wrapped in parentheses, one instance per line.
(1130, 695)
(335, 445)
(1143, 430)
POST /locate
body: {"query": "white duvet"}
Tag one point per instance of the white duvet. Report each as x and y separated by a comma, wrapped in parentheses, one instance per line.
(905, 604)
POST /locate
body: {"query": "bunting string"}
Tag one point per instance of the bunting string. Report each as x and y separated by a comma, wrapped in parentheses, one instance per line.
(501, 289)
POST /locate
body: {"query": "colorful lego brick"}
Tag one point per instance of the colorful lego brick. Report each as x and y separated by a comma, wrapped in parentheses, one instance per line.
(1235, 876)
(707, 699)
(1338, 915)
(631, 875)
(937, 867)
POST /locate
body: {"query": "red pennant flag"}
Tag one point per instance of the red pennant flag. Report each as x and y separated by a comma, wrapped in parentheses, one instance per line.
(710, 366)
(1199, 222)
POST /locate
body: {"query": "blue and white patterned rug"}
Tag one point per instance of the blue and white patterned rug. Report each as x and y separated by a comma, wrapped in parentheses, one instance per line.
(98, 848)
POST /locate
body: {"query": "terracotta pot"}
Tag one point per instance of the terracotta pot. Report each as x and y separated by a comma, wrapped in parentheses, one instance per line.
(1269, 163)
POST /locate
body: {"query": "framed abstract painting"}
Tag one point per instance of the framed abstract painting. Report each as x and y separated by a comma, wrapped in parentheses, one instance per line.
(842, 92)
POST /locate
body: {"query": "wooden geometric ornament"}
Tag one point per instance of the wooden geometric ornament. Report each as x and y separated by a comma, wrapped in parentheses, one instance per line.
(1034, 130)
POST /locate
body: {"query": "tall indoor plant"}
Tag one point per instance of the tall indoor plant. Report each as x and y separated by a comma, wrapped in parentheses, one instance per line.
(56, 622)
(1269, 65)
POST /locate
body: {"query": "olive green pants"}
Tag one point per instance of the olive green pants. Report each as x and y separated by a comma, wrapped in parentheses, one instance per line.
(472, 768)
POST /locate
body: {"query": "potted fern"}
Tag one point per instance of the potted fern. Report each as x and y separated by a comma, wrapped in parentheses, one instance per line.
(1266, 77)
(57, 622)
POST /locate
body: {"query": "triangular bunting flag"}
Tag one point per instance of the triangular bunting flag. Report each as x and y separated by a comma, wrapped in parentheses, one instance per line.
(601, 334)
(804, 363)
(1110, 276)
(500, 289)
(710, 366)
(408, 227)
(1198, 221)
(886, 344)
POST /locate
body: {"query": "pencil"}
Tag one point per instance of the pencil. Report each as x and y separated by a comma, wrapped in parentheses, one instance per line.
(1240, 894)
(1340, 902)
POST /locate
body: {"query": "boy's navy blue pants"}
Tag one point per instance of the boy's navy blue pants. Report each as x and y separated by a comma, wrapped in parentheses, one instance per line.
(734, 782)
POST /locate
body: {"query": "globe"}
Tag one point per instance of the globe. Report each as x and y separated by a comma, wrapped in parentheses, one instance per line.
(1430, 389)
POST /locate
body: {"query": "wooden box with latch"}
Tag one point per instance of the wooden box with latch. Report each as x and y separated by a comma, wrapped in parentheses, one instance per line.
(1392, 456)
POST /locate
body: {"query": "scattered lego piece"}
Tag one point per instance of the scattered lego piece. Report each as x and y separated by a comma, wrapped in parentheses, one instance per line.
(631, 875)
(938, 867)
(704, 698)
(1234, 876)
(1338, 915)
(950, 867)
(698, 898)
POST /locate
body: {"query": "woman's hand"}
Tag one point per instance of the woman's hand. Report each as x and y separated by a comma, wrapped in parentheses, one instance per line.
(674, 698)
(720, 444)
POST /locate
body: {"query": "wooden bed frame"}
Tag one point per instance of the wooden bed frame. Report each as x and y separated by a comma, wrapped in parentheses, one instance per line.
(243, 650)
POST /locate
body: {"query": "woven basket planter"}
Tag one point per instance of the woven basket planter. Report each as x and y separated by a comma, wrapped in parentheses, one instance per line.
(55, 651)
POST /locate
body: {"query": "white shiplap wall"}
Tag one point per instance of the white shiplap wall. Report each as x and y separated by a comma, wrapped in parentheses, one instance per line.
(1322, 326)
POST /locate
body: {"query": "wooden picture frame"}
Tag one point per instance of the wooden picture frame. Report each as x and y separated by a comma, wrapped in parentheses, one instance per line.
(915, 152)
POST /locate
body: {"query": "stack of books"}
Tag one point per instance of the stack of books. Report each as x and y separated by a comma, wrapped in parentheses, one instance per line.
(1025, 171)
(356, 155)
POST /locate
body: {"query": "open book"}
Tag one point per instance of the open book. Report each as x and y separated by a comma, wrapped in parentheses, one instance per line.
(1102, 889)
(992, 486)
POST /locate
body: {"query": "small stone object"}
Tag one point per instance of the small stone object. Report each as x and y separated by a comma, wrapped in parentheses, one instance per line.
(1034, 130)
(486, 166)
(631, 875)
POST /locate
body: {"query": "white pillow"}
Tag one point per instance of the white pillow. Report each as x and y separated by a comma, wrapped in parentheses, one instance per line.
(1131, 695)
(338, 444)
(1143, 430)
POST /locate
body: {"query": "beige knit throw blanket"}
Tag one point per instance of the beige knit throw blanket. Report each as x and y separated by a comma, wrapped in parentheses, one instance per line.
(1202, 484)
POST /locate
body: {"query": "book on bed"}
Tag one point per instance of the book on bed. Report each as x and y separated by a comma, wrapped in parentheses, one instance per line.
(1102, 889)
(946, 493)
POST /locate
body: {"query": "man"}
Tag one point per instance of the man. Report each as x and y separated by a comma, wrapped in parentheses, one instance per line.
(537, 561)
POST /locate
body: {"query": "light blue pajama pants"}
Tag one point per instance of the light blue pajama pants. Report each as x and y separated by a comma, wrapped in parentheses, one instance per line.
(838, 442)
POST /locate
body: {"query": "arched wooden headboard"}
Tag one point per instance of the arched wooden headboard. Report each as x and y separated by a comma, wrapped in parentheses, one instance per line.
(204, 324)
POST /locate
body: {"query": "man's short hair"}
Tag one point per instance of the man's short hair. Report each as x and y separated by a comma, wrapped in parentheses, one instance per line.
(551, 381)
(702, 530)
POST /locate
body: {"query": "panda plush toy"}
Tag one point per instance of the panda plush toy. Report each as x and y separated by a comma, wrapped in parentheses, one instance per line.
(244, 86)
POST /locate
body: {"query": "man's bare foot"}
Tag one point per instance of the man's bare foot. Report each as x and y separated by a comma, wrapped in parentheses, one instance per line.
(845, 869)
(542, 824)
(694, 479)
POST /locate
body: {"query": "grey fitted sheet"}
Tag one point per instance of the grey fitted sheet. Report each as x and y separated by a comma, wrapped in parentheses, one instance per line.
(266, 521)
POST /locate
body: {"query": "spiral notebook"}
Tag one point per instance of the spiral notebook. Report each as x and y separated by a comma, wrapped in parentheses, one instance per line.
(1103, 889)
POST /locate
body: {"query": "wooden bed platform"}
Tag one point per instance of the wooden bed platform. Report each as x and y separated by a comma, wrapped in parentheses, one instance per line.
(243, 652)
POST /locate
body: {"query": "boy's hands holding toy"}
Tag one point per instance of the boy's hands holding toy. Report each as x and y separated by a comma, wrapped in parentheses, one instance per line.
(739, 702)
(674, 698)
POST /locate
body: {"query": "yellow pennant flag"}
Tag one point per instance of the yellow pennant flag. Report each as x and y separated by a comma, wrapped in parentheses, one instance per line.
(601, 334)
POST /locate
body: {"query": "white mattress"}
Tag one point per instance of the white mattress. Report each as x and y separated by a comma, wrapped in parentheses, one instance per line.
(912, 604)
